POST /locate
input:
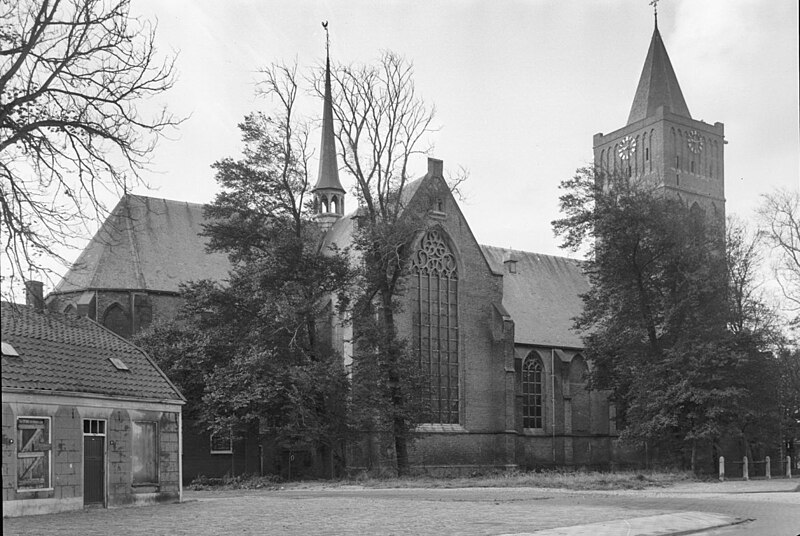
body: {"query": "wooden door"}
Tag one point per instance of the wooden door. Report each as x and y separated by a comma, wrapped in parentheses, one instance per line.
(93, 469)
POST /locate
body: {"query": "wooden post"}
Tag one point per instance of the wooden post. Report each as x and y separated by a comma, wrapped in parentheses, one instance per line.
(722, 468)
(745, 471)
(788, 467)
(769, 467)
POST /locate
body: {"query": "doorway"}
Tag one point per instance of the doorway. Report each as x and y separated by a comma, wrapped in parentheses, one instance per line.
(94, 477)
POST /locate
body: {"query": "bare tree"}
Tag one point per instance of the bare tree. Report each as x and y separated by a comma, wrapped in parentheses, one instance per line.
(72, 73)
(780, 216)
(381, 125)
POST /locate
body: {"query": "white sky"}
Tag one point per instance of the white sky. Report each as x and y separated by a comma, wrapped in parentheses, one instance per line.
(519, 86)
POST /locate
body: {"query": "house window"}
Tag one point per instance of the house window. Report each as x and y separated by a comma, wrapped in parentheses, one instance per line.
(532, 400)
(435, 288)
(145, 452)
(33, 453)
(94, 427)
(221, 444)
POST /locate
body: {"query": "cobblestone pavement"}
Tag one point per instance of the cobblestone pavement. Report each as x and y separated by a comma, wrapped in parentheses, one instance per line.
(774, 507)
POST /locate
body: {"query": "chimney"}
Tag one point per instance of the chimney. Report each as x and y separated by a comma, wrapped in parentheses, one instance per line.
(435, 167)
(34, 294)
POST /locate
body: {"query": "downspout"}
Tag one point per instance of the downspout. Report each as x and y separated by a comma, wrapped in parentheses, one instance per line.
(180, 454)
(553, 397)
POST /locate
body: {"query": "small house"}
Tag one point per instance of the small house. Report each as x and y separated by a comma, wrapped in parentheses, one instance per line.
(88, 418)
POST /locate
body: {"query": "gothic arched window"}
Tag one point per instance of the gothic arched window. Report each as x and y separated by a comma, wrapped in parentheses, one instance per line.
(117, 321)
(435, 290)
(532, 392)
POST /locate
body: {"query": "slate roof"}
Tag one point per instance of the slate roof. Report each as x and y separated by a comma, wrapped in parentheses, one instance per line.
(542, 297)
(67, 353)
(658, 85)
(146, 243)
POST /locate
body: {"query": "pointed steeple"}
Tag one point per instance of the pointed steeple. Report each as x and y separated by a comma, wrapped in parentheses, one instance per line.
(328, 192)
(658, 85)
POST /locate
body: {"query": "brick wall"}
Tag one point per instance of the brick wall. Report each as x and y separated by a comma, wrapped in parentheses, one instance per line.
(67, 456)
(9, 468)
(67, 453)
(140, 309)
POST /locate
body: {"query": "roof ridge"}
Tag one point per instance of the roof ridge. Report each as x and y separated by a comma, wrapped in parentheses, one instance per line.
(531, 252)
(175, 201)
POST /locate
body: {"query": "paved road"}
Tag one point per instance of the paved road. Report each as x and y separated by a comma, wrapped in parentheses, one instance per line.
(773, 506)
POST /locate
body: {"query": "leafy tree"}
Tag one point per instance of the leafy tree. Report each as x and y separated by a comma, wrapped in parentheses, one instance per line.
(264, 361)
(71, 77)
(669, 320)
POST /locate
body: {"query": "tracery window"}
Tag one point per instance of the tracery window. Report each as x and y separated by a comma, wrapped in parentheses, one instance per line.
(435, 290)
(532, 400)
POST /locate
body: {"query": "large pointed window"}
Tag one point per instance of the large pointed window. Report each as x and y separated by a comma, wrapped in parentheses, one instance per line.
(435, 289)
(532, 391)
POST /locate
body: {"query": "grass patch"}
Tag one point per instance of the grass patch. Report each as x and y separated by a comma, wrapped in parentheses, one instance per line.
(561, 479)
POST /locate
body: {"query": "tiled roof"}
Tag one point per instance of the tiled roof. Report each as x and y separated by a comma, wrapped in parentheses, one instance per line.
(146, 244)
(543, 296)
(64, 352)
(658, 85)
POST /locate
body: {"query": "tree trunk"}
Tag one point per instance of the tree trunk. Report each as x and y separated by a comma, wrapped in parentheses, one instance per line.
(399, 428)
(694, 456)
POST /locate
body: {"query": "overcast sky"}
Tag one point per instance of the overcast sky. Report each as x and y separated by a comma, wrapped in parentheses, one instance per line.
(520, 87)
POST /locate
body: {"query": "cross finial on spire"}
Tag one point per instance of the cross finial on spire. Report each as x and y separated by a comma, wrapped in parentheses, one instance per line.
(654, 3)
(327, 39)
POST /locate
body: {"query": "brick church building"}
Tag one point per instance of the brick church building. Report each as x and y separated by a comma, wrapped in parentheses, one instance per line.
(493, 326)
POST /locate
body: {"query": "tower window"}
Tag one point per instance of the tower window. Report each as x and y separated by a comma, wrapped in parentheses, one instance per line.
(647, 153)
(692, 166)
(677, 162)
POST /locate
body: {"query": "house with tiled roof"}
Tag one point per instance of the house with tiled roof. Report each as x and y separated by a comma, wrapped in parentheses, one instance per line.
(88, 418)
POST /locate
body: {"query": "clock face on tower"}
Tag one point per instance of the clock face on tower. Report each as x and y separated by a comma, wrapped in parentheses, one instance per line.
(695, 141)
(626, 147)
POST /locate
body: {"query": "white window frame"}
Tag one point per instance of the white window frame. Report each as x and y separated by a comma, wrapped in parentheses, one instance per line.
(49, 454)
(105, 425)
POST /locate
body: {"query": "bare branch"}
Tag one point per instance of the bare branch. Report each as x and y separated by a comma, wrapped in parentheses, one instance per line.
(72, 73)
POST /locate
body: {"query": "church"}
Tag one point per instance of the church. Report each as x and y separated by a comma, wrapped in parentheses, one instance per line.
(493, 327)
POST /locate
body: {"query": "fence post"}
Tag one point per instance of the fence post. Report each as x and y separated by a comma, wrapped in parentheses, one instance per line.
(788, 467)
(722, 468)
(769, 467)
(745, 471)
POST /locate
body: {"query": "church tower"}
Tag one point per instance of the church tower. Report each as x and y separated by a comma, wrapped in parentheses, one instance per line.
(661, 142)
(328, 192)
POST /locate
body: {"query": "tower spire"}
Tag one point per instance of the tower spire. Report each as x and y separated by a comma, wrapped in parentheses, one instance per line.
(658, 85)
(328, 192)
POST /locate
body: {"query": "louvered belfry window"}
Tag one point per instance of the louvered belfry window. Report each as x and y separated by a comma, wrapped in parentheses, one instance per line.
(435, 288)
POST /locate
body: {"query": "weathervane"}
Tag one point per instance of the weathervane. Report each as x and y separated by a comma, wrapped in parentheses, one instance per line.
(328, 40)
(654, 3)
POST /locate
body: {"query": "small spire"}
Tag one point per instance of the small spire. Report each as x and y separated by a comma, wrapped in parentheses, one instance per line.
(328, 192)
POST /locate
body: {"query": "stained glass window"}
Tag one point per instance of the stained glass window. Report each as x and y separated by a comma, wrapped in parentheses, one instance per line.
(435, 285)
